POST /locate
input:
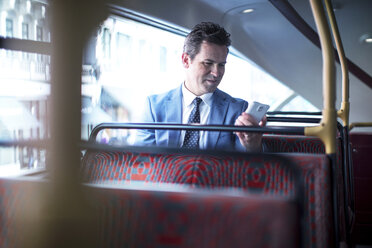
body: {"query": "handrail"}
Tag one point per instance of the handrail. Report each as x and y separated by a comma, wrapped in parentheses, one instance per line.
(326, 131)
(167, 126)
(293, 113)
(344, 111)
(293, 119)
(35, 143)
(360, 124)
(22, 45)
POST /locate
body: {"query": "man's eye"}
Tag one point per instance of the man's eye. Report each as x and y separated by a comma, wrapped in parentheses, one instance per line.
(208, 63)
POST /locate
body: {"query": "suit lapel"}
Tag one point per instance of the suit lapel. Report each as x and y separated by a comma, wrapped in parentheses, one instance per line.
(217, 116)
(173, 114)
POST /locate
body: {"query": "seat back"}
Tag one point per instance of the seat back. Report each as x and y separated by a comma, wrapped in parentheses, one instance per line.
(252, 172)
(17, 200)
(263, 174)
(143, 217)
(313, 145)
(293, 143)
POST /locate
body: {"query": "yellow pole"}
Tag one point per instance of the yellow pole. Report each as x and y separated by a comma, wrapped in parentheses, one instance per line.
(67, 219)
(360, 124)
(344, 111)
(326, 131)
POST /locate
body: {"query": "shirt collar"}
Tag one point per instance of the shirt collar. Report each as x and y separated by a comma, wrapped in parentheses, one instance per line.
(188, 96)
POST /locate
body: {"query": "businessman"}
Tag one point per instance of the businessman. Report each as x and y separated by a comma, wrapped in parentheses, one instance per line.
(198, 100)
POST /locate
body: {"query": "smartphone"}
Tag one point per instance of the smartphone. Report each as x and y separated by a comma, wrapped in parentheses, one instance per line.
(257, 110)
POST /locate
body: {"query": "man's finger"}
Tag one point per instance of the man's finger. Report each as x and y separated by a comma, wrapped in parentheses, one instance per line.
(264, 121)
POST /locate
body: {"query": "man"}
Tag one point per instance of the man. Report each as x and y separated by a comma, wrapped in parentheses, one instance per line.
(198, 98)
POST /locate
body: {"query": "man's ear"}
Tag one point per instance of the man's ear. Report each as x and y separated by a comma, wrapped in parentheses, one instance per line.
(186, 60)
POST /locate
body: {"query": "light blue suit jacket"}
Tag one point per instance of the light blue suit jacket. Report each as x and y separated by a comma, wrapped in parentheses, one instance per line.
(167, 108)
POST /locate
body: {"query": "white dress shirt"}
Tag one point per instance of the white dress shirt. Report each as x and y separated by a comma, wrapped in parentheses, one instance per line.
(204, 108)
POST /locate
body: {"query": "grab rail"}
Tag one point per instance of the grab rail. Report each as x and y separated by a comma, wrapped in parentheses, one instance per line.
(344, 111)
(360, 124)
(225, 128)
(326, 131)
(344, 114)
(293, 113)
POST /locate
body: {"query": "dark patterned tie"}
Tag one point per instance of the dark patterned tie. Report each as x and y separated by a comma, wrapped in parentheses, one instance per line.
(192, 137)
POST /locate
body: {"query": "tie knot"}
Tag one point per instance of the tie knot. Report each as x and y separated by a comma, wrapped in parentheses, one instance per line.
(197, 101)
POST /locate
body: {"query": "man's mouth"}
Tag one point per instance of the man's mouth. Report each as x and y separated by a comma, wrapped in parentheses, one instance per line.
(213, 81)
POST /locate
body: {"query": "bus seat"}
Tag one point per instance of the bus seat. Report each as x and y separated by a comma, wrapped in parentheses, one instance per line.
(144, 217)
(318, 196)
(313, 145)
(259, 174)
(293, 143)
(195, 219)
(16, 200)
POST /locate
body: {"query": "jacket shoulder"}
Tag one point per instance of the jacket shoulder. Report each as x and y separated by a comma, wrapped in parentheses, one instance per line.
(158, 98)
(229, 98)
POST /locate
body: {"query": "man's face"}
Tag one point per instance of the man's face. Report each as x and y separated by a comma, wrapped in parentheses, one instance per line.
(204, 73)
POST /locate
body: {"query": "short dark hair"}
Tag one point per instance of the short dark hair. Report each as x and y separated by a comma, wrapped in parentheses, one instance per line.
(205, 31)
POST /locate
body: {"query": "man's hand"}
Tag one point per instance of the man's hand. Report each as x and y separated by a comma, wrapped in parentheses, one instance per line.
(251, 141)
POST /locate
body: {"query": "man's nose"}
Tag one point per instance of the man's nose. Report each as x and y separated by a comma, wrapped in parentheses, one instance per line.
(215, 71)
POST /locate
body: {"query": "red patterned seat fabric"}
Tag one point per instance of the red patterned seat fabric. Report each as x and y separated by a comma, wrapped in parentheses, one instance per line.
(150, 218)
(195, 220)
(257, 174)
(318, 196)
(304, 144)
(293, 143)
(16, 200)
(260, 174)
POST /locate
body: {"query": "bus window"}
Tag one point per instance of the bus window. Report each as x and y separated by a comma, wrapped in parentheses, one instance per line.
(24, 86)
(136, 60)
